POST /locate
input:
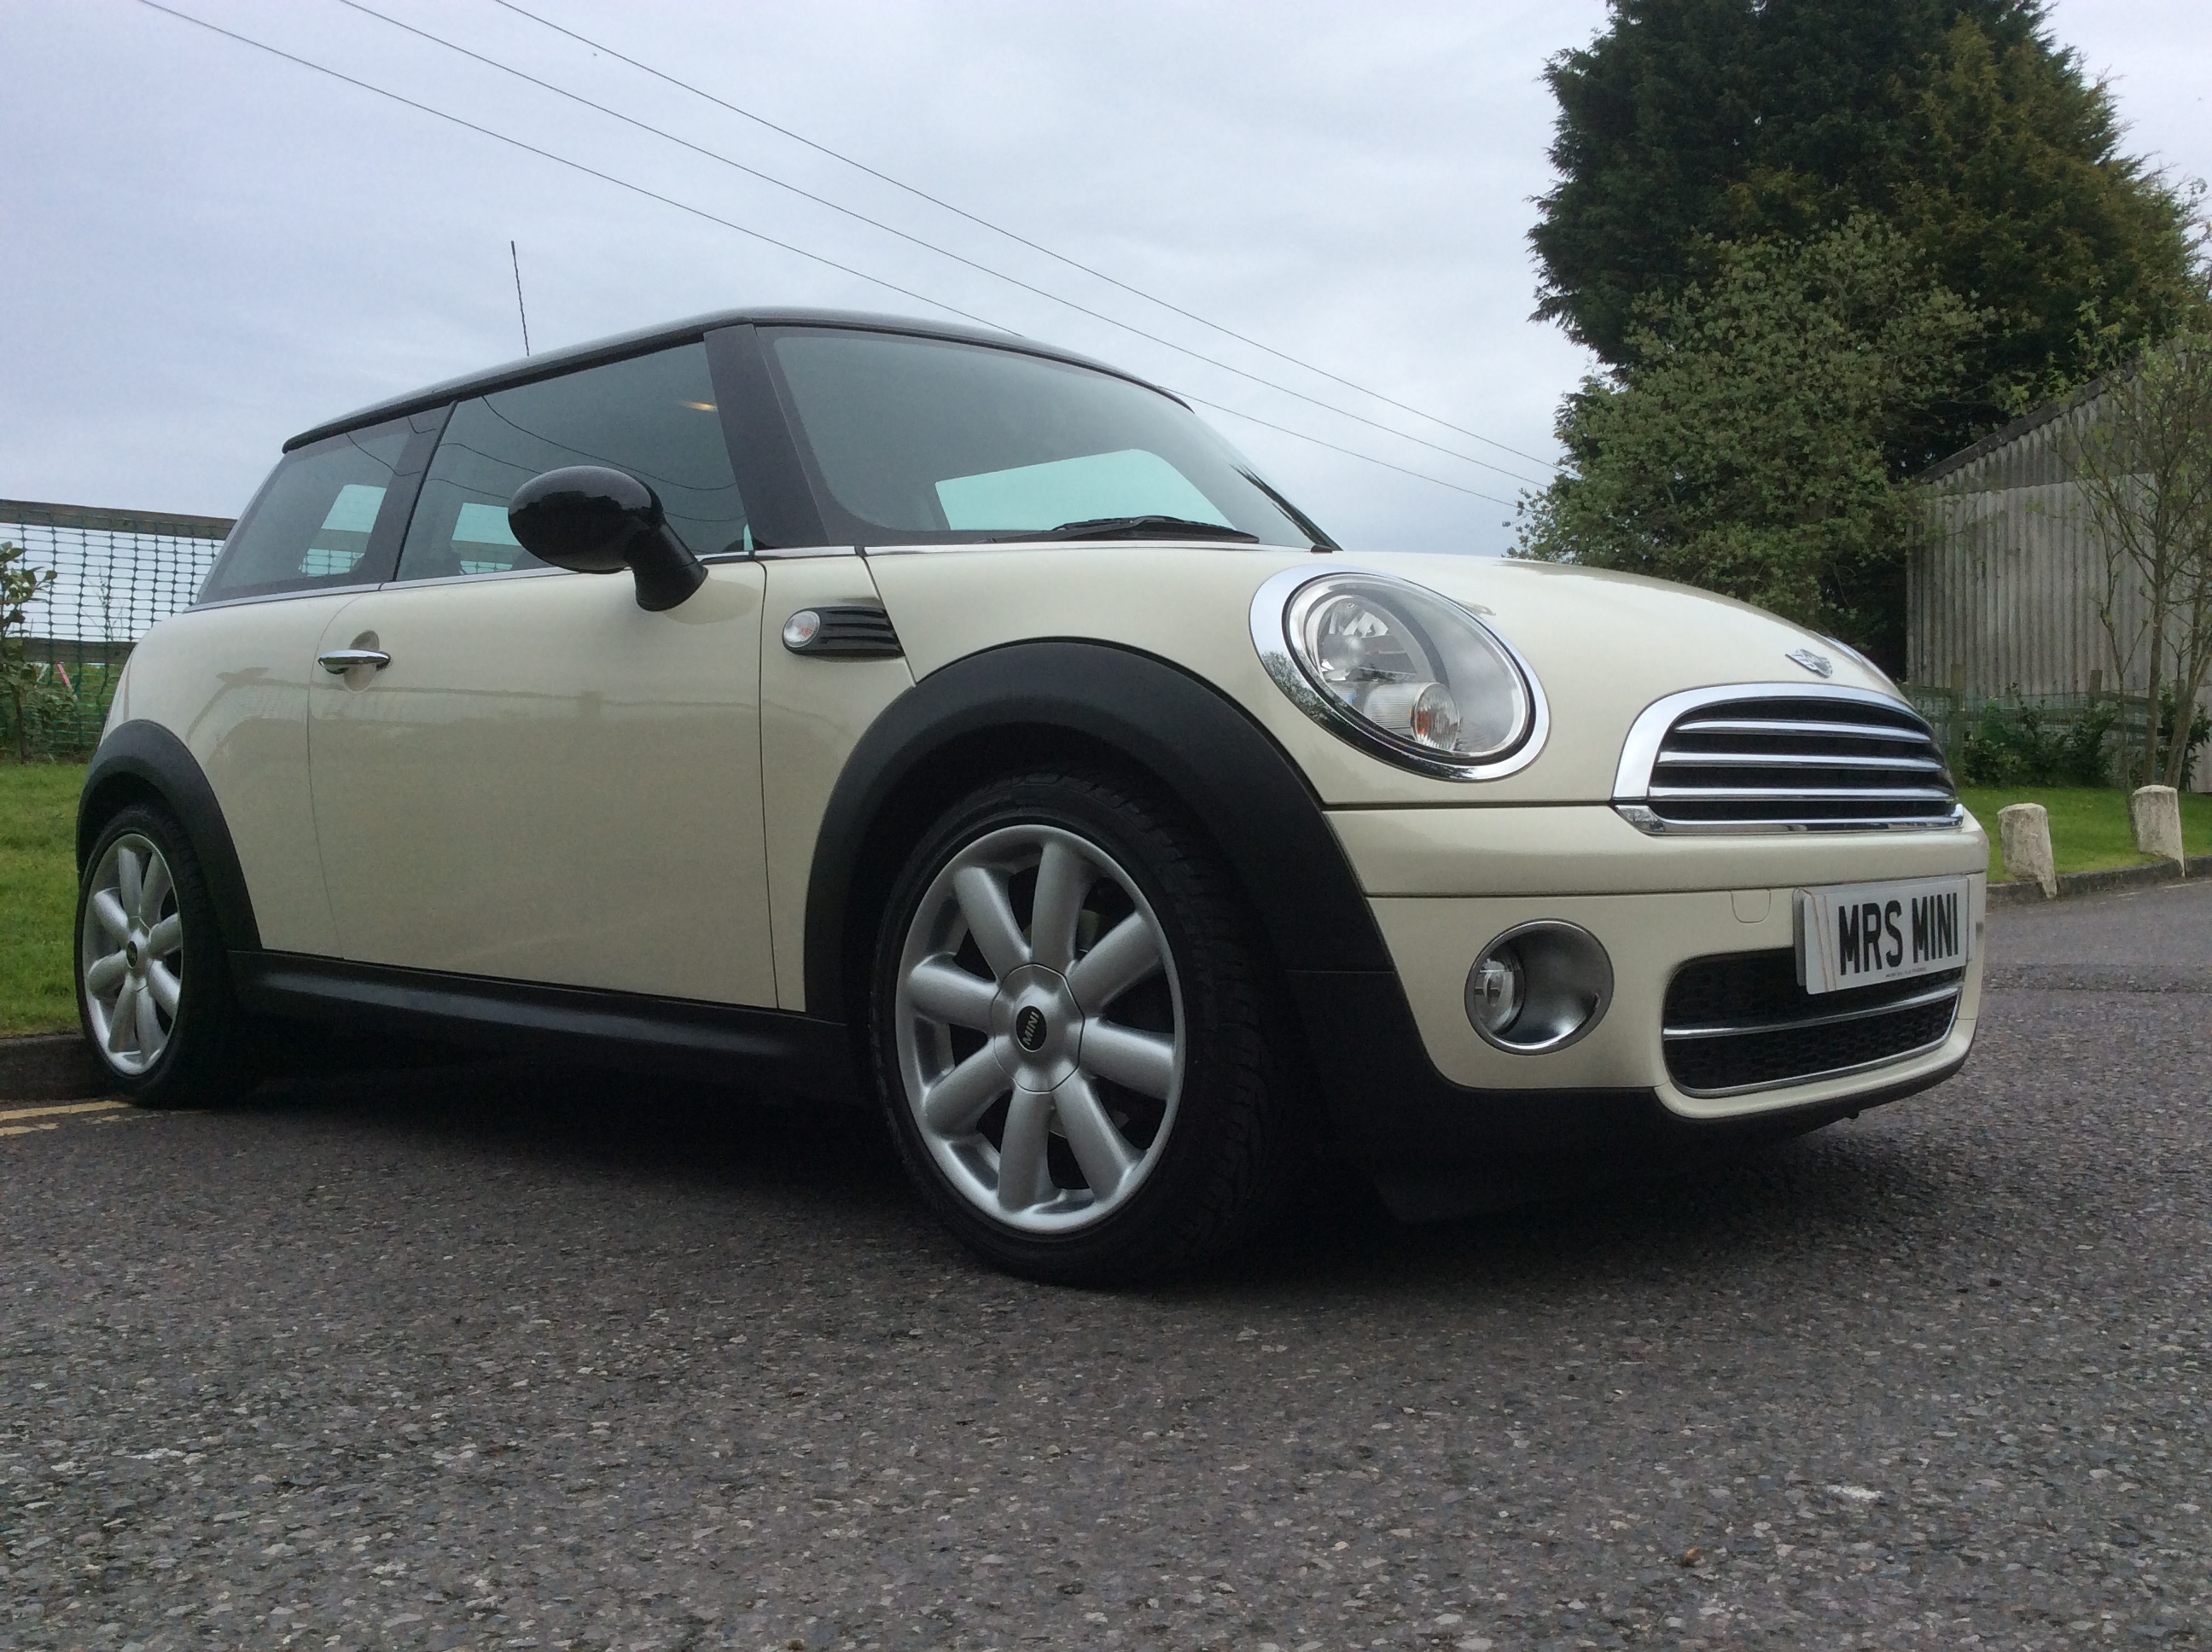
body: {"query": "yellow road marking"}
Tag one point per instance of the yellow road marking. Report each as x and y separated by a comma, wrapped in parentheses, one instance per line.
(15, 1113)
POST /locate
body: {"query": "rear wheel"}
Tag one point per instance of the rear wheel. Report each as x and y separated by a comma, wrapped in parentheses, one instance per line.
(152, 985)
(1070, 1031)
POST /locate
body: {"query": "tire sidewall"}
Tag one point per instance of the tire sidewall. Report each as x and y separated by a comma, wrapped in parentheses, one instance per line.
(1149, 1231)
(199, 1055)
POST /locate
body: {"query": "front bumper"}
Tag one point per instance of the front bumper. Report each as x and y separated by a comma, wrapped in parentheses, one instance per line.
(1453, 1122)
(1648, 937)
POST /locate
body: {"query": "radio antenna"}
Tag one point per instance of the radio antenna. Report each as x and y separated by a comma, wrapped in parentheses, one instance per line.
(515, 259)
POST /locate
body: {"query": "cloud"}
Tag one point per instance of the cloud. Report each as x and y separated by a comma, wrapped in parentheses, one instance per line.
(210, 249)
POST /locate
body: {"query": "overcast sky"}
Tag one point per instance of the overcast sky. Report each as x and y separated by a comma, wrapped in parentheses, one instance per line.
(208, 248)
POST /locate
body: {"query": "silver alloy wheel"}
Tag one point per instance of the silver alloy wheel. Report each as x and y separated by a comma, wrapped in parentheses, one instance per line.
(1024, 1052)
(132, 949)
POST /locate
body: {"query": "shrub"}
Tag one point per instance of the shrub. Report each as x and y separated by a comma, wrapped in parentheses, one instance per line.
(2028, 744)
(35, 697)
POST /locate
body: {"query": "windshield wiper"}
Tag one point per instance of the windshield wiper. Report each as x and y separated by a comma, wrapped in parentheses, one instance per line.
(1140, 527)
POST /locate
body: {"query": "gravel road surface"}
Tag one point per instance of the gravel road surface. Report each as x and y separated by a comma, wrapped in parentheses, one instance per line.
(502, 1358)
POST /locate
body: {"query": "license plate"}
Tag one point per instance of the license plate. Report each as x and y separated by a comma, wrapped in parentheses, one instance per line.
(1858, 934)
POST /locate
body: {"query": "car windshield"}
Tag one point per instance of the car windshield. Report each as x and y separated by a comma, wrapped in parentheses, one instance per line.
(926, 440)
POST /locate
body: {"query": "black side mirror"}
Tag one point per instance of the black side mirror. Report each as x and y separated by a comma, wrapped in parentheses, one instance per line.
(596, 520)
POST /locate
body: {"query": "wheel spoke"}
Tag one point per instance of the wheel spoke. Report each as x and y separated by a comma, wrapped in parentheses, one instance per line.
(1126, 955)
(943, 991)
(962, 1095)
(164, 987)
(122, 1018)
(1106, 1158)
(113, 918)
(154, 890)
(104, 974)
(166, 937)
(1063, 1160)
(1064, 877)
(982, 897)
(1024, 1178)
(1143, 1061)
(127, 877)
(150, 1023)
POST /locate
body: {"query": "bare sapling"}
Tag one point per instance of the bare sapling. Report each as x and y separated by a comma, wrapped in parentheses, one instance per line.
(2142, 467)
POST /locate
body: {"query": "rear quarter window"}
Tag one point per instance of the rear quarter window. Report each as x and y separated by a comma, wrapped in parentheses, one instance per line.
(313, 524)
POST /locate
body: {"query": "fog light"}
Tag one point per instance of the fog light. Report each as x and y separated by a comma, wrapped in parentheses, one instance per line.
(1539, 988)
(1493, 992)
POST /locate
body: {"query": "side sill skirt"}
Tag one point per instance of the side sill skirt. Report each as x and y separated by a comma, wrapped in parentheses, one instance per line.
(770, 1049)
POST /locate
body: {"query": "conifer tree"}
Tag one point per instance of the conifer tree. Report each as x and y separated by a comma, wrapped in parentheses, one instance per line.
(1689, 124)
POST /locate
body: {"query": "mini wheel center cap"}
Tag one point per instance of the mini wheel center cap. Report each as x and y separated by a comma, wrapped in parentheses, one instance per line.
(1029, 1029)
(1040, 1026)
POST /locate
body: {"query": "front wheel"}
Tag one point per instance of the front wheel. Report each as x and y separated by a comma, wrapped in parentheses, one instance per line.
(1071, 1027)
(152, 985)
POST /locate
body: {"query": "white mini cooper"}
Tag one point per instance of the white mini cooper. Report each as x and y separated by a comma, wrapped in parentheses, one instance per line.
(965, 730)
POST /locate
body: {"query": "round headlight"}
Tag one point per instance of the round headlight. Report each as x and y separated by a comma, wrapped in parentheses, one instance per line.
(1406, 673)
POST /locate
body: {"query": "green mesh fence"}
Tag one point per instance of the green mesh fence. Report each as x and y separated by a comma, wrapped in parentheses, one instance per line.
(115, 573)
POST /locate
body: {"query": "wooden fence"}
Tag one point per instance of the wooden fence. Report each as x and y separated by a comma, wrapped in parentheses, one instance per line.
(2003, 593)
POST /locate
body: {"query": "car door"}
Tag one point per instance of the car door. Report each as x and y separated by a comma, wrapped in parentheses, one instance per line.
(545, 782)
(231, 676)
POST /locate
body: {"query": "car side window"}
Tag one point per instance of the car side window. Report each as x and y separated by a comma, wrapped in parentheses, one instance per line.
(310, 526)
(652, 415)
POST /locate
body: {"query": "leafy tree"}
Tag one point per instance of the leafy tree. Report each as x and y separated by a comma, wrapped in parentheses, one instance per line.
(1688, 125)
(1744, 451)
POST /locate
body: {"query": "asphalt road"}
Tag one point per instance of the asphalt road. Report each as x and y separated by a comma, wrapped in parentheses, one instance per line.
(494, 1358)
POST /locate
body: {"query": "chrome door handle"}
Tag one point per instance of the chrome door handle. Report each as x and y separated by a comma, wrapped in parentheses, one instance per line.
(339, 661)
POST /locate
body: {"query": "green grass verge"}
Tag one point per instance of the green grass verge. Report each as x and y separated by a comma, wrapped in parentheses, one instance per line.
(37, 895)
(2089, 829)
(2089, 832)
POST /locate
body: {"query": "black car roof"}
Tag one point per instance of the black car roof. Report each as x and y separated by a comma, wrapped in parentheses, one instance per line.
(619, 345)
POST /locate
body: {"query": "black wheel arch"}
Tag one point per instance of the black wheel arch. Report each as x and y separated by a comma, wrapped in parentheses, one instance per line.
(141, 761)
(1068, 699)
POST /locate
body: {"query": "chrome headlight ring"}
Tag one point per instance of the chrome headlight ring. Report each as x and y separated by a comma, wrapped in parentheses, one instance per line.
(1428, 634)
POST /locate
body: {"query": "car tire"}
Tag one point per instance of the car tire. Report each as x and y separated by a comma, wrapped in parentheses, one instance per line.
(153, 985)
(1075, 1035)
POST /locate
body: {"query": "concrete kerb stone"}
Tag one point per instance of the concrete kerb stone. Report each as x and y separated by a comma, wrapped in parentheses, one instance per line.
(2024, 842)
(50, 1067)
(2155, 812)
(2102, 882)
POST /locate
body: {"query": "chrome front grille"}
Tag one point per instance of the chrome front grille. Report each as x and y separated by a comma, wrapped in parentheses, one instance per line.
(1740, 1022)
(1773, 757)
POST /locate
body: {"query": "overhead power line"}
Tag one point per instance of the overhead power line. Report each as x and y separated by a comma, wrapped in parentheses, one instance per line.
(996, 274)
(1254, 418)
(742, 229)
(562, 159)
(1015, 236)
